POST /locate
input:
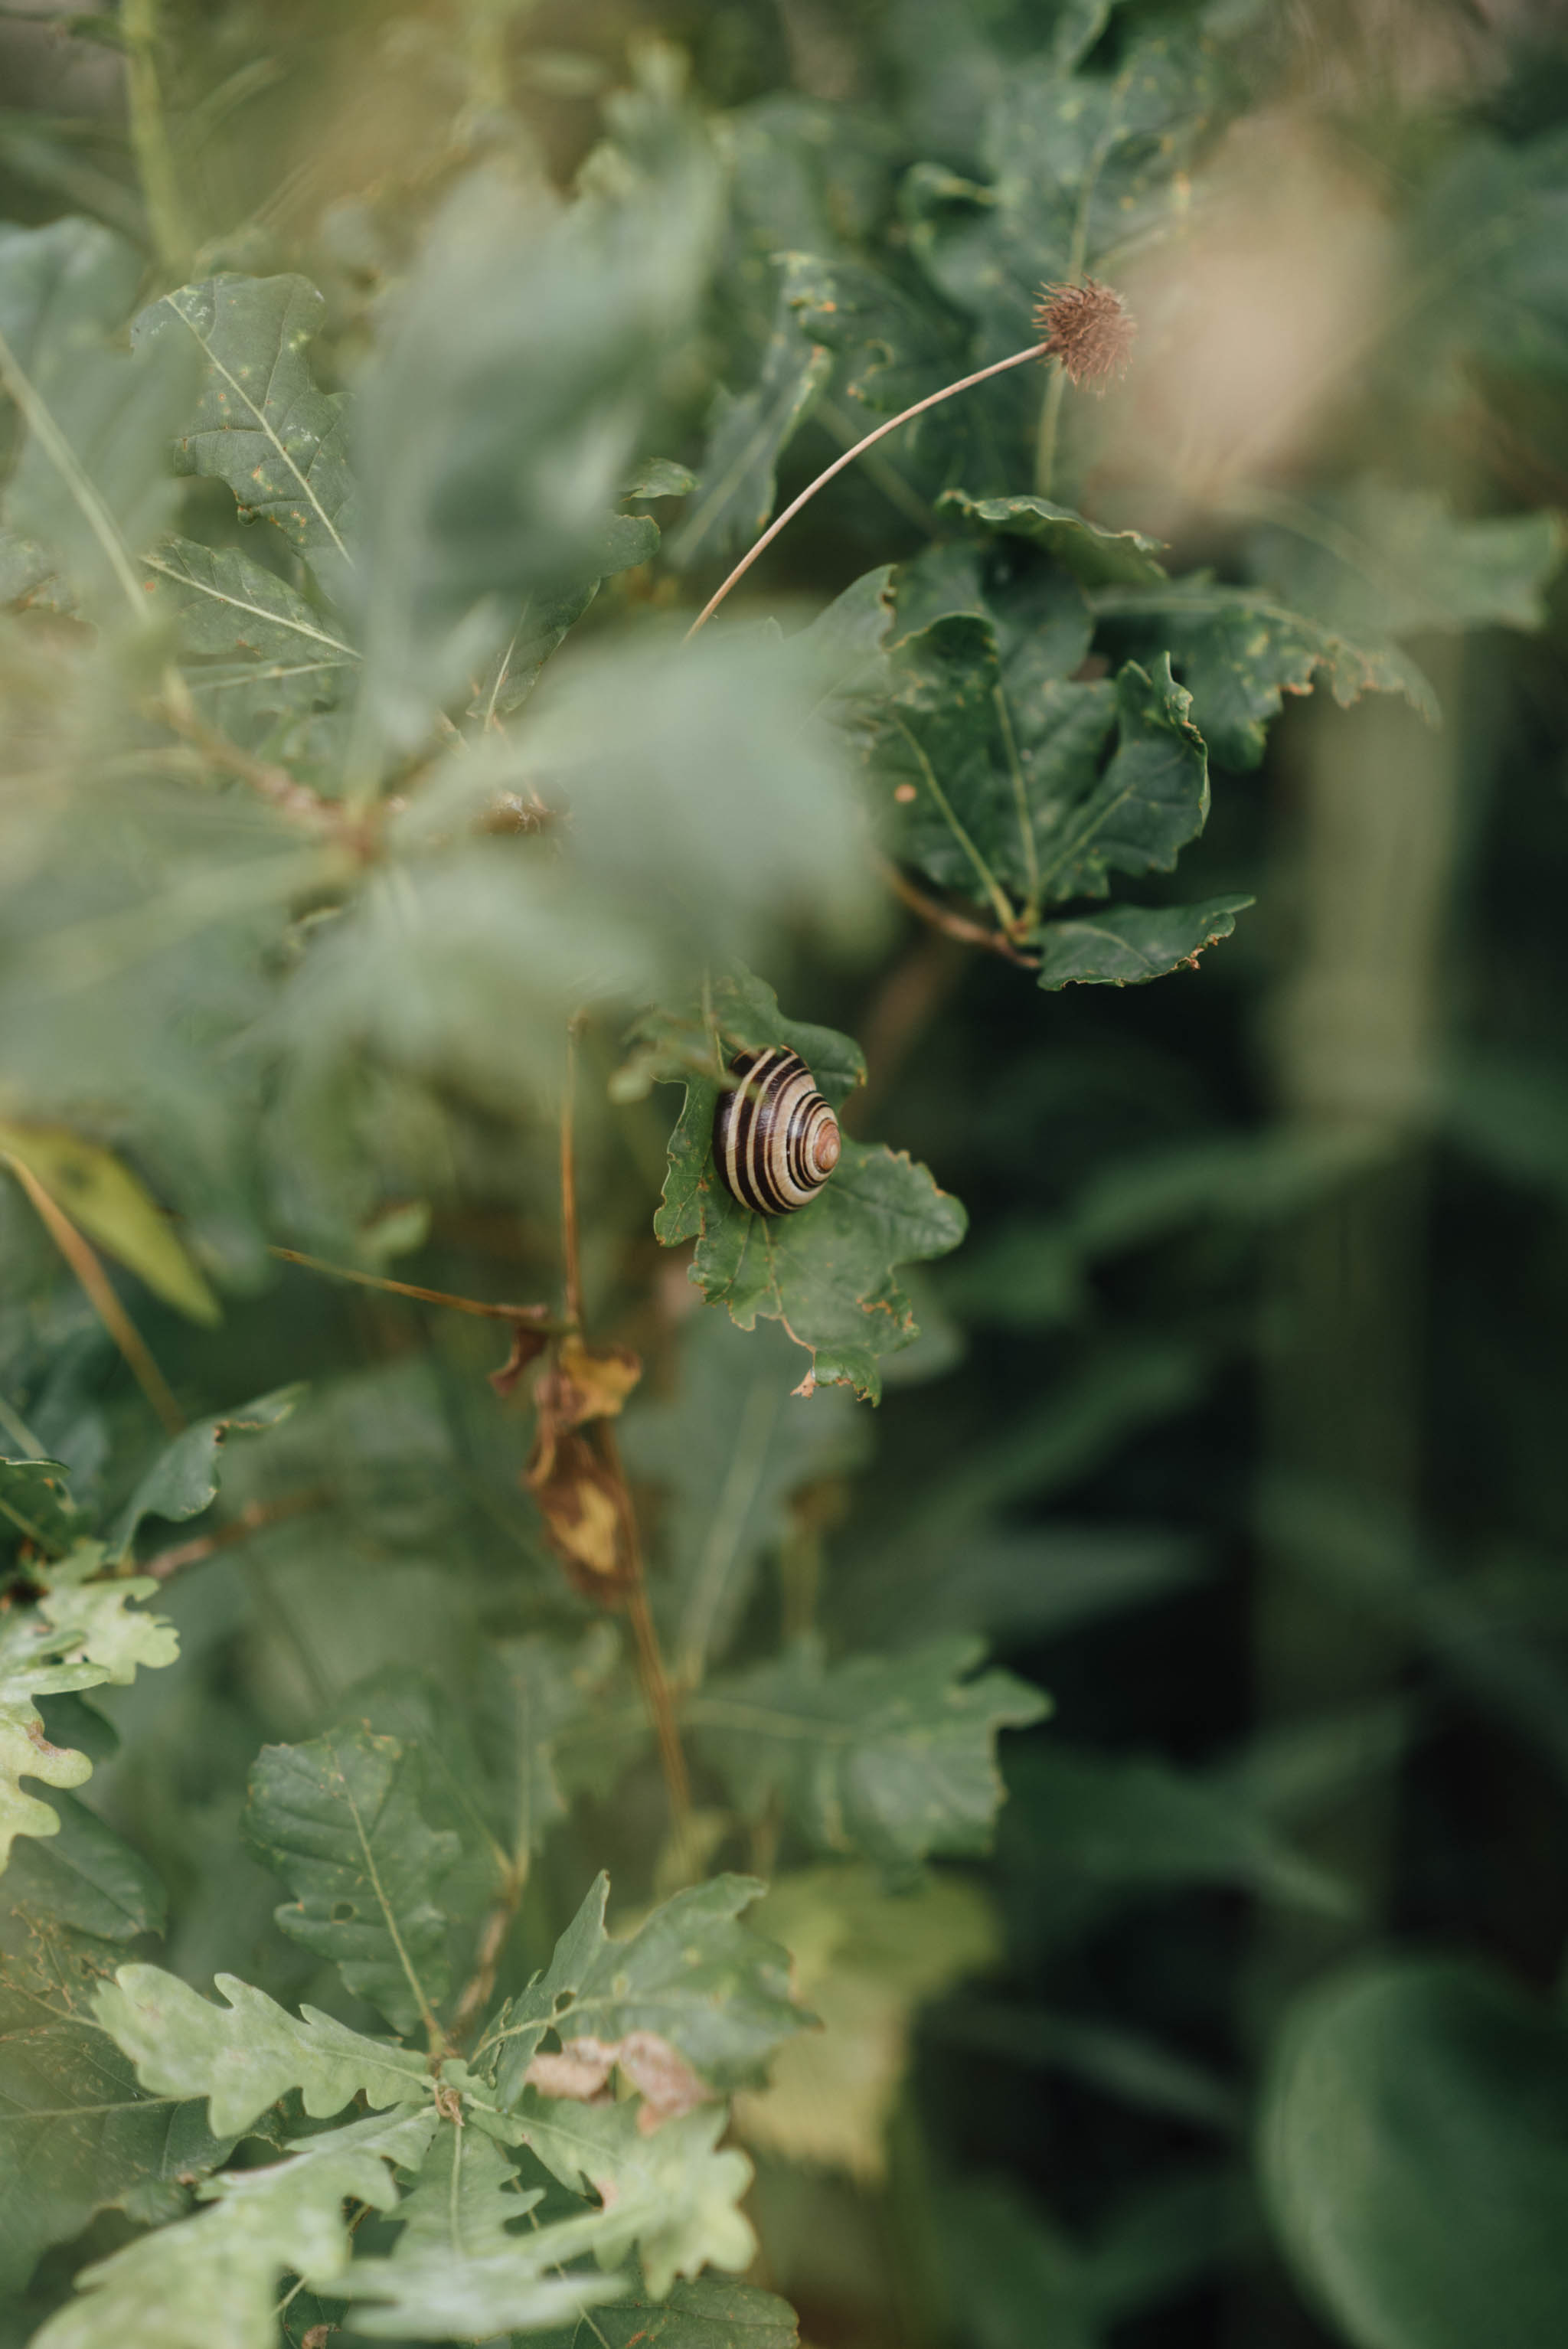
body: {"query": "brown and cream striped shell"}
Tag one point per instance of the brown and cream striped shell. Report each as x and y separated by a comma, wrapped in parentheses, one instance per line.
(774, 1140)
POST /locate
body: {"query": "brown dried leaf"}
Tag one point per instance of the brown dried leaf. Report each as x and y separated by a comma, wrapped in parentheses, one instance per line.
(580, 1502)
(586, 1382)
(527, 1345)
(660, 2073)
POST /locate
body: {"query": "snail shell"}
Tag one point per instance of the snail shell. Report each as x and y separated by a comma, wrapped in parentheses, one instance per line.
(774, 1140)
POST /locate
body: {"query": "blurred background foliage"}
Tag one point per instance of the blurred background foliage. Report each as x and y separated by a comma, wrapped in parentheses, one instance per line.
(1237, 1425)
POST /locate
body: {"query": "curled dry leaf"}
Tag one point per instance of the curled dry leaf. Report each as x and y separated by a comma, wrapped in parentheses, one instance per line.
(528, 1343)
(660, 2073)
(578, 1494)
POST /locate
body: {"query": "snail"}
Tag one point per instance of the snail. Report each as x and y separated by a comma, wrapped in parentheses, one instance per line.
(774, 1140)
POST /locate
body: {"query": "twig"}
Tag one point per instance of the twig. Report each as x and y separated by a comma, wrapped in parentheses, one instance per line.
(947, 919)
(650, 1661)
(275, 784)
(252, 1519)
(536, 1317)
(89, 1271)
(487, 1956)
(997, 367)
(902, 1008)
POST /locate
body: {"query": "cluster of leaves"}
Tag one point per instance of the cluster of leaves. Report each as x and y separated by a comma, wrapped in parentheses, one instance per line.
(351, 760)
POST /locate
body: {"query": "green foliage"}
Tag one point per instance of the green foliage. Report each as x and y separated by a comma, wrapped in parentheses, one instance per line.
(892, 1757)
(1452, 2078)
(365, 879)
(340, 1821)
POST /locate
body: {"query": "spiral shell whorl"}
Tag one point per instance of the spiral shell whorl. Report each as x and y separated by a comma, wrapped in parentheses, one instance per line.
(775, 1139)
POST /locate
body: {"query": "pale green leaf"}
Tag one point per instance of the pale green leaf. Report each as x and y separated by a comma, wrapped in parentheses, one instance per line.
(710, 2313)
(458, 2272)
(260, 423)
(245, 2055)
(670, 2193)
(214, 2277)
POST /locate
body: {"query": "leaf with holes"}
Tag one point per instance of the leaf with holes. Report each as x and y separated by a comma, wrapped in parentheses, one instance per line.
(260, 423)
(340, 1821)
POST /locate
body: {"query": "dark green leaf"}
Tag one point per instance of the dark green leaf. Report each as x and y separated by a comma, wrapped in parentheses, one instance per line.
(1095, 556)
(737, 483)
(1132, 943)
(184, 1479)
(1414, 2157)
(340, 1821)
(36, 1505)
(661, 477)
(86, 1877)
(710, 2313)
(1151, 800)
(889, 1757)
(76, 2133)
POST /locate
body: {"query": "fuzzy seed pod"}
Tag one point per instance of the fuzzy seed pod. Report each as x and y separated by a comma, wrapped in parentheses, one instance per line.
(1089, 328)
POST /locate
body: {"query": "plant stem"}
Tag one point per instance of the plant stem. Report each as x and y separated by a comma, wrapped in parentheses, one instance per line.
(536, 1317)
(89, 1271)
(997, 367)
(650, 1670)
(252, 1519)
(150, 135)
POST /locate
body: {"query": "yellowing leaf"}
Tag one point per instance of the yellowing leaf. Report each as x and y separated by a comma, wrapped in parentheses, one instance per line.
(865, 1959)
(100, 1194)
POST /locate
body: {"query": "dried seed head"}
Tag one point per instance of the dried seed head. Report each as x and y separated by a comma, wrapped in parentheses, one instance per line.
(1089, 328)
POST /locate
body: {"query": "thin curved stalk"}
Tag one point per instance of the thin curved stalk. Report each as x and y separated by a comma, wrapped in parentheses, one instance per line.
(932, 399)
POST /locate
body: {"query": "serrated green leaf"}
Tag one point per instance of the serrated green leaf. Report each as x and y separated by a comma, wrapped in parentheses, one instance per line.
(1414, 2157)
(1131, 944)
(1151, 800)
(260, 423)
(255, 651)
(340, 1821)
(889, 1757)
(1076, 166)
(708, 2314)
(76, 2133)
(85, 1877)
(98, 1192)
(184, 1478)
(670, 2194)
(74, 1637)
(214, 2277)
(245, 2055)
(738, 480)
(1096, 557)
(1240, 653)
(457, 2273)
(91, 486)
(827, 1272)
(717, 1992)
(731, 1453)
(35, 1503)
